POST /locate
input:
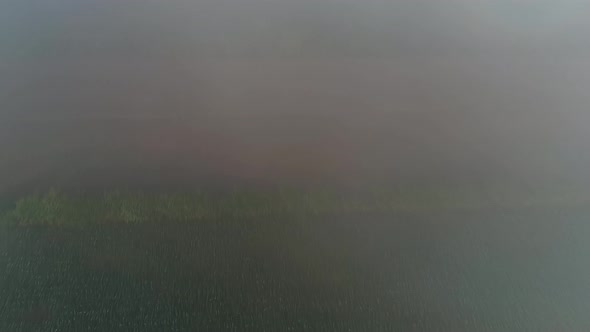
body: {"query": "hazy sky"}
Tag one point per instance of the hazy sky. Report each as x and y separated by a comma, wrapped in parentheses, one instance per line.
(342, 89)
(292, 28)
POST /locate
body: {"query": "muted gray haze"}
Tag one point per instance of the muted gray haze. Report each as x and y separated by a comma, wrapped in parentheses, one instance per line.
(335, 91)
(348, 94)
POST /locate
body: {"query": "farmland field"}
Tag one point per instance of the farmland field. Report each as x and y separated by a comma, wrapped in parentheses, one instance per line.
(462, 269)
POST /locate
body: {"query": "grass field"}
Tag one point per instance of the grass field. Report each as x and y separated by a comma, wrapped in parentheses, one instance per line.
(59, 208)
(276, 260)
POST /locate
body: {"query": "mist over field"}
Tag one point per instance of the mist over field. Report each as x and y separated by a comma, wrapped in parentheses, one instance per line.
(337, 92)
(303, 165)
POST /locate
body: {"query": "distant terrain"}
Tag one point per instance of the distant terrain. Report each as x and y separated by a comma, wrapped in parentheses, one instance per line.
(59, 208)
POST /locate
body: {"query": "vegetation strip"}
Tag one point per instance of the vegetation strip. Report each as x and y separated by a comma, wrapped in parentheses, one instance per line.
(59, 208)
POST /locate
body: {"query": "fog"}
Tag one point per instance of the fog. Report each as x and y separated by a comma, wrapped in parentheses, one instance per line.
(129, 93)
(132, 109)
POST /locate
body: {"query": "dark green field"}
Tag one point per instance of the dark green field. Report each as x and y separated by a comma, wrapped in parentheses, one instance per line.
(245, 261)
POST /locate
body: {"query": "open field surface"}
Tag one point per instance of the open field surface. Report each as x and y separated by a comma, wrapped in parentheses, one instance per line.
(333, 268)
